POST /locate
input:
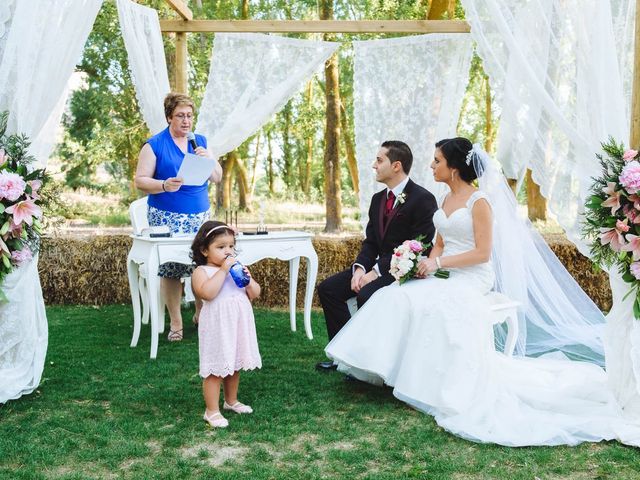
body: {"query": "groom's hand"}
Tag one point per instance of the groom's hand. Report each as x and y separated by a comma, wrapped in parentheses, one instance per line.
(367, 278)
(358, 273)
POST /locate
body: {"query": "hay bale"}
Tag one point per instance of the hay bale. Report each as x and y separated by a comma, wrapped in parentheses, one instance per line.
(93, 271)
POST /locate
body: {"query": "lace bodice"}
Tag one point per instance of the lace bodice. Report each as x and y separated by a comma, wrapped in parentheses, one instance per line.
(456, 231)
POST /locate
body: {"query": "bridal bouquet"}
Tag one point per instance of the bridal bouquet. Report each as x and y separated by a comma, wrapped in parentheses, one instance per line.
(20, 210)
(405, 259)
(612, 215)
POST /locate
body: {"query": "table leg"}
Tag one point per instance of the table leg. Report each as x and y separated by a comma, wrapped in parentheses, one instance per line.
(312, 274)
(153, 286)
(132, 273)
(294, 265)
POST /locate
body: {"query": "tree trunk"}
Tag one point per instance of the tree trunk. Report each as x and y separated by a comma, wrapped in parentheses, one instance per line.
(254, 166)
(227, 175)
(241, 180)
(306, 185)
(270, 163)
(437, 9)
(536, 203)
(332, 191)
(488, 119)
(287, 172)
(352, 163)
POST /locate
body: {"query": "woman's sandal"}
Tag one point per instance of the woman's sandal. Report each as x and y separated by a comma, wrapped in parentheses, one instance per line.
(238, 407)
(174, 335)
(216, 420)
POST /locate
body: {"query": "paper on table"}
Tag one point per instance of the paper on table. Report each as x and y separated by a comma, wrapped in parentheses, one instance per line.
(195, 170)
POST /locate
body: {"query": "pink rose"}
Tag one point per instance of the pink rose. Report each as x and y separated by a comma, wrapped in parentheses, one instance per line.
(415, 246)
(634, 268)
(629, 155)
(21, 256)
(630, 177)
(11, 186)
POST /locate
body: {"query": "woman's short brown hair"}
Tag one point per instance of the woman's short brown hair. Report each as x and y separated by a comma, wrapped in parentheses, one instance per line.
(174, 100)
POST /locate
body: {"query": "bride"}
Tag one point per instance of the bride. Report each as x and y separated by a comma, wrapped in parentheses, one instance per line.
(431, 339)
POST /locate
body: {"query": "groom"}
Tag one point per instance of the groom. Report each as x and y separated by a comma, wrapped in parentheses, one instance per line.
(402, 211)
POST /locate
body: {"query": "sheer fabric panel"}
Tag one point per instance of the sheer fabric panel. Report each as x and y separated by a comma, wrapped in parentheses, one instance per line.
(23, 333)
(252, 76)
(142, 38)
(407, 89)
(556, 77)
(43, 45)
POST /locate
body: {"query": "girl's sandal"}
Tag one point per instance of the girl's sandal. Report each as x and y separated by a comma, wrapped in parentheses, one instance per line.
(216, 420)
(238, 407)
(174, 335)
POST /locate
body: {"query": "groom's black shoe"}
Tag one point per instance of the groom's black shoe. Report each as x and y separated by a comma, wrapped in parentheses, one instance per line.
(326, 366)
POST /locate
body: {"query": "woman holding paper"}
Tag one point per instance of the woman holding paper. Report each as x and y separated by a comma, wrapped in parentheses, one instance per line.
(183, 208)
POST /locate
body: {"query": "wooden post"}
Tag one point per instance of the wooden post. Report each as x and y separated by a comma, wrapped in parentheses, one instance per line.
(182, 84)
(634, 137)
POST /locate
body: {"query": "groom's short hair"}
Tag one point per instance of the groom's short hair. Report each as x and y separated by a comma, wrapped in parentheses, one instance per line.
(398, 151)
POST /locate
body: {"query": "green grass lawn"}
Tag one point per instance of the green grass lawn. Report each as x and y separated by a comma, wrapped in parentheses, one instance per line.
(105, 410)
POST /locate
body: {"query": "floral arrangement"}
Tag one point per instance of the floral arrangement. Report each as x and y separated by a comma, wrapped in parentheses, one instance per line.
(612, 215)
(405, 259)
(20, 201)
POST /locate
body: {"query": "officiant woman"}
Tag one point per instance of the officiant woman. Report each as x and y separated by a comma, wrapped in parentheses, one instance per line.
(183, 208)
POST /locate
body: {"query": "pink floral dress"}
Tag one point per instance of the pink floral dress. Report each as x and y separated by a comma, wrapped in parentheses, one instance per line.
(227, 332)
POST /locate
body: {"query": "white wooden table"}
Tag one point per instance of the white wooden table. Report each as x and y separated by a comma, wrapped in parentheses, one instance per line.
(147, 254)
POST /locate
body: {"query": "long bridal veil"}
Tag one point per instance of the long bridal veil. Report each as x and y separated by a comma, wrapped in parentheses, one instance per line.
(556, 315)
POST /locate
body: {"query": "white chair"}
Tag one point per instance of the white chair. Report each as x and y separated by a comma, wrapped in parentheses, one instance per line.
(138, 217)
(503, 310)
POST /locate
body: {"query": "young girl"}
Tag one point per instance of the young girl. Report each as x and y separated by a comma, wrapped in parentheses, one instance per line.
(227, 332)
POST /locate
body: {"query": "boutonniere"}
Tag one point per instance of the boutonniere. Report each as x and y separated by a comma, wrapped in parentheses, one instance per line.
(402, 198)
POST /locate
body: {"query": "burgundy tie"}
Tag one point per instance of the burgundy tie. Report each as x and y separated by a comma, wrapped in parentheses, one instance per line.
(391, 198)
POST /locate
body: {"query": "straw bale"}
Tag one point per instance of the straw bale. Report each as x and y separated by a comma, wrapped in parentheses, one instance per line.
(92, 271)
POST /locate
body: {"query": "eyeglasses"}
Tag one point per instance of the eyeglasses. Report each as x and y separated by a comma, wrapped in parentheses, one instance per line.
(182, 116)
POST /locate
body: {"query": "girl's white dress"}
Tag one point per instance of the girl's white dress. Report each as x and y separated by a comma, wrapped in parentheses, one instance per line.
(432, 341)
(227, 331)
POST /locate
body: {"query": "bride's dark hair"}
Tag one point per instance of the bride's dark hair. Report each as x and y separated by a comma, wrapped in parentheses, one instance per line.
(455, 151)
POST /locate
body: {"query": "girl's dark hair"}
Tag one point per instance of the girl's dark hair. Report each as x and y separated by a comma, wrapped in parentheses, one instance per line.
(455, 151)
(202, 240)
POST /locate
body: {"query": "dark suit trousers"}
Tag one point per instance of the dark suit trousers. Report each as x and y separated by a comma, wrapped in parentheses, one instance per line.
(336, 290)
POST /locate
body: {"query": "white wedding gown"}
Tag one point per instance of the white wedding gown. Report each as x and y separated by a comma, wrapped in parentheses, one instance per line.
(432, 340)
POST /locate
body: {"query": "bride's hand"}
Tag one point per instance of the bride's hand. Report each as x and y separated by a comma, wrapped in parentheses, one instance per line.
(425, 267)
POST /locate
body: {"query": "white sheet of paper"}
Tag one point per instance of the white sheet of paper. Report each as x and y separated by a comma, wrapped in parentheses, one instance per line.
(195, 170)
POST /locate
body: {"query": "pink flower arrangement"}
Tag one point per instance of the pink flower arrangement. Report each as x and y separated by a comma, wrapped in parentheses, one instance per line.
(612, 215)
(20, 199)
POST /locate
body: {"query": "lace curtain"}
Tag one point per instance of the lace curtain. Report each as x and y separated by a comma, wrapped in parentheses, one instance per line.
(408, 89)
(23, 333)
(42, 46)
(554, 68)
(145, 50)
(252, 76)
(40, 43)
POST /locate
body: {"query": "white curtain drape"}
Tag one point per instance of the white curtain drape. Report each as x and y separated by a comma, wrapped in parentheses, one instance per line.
(562, 73)
(407, 89)
(143, 40)
(554, 68)
(43, 45)
(252, 76)
(40, 44)
(23, 333)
